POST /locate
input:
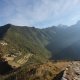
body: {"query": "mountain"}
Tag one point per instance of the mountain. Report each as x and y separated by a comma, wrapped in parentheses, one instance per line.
(28, 40)
(49, 43)
(25, 39)
(27, 51)
(67, 43)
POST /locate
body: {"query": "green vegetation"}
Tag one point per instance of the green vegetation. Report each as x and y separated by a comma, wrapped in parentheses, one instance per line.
(27, 39)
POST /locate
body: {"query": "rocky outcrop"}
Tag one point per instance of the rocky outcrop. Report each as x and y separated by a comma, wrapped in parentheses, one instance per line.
(5, 68)
(72, 72)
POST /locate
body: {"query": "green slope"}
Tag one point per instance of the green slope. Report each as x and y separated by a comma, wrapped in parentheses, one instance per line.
(26, 39)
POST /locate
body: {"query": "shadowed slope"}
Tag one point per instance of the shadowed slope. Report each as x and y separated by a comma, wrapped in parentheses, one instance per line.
(3, 30)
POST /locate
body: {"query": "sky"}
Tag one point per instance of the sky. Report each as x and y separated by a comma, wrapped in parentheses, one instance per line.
(39, 13)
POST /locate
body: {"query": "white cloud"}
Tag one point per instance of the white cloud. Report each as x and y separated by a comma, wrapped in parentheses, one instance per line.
(24, 12)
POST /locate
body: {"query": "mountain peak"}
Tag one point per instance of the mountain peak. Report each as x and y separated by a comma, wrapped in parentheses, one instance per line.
(78, 22)
(62, 26)
(8, 24)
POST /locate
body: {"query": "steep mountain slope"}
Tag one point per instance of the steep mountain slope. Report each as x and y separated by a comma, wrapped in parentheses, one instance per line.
(53, 42)
(26, 39)
(67, 43)
(28, 50)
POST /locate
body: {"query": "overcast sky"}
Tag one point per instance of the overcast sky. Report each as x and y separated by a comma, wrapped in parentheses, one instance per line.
(39, 13)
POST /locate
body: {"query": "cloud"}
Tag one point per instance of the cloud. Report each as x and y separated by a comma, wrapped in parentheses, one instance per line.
(34, 12)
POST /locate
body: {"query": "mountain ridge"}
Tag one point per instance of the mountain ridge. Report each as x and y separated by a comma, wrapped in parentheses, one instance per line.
(45, 42)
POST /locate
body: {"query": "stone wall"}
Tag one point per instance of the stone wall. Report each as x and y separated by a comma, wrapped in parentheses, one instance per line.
(72, 72)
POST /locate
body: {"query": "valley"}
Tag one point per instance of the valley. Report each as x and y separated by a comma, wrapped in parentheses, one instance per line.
(39, 39)
(37, 54)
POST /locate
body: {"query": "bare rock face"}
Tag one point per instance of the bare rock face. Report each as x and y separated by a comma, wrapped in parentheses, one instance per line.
(72, 72)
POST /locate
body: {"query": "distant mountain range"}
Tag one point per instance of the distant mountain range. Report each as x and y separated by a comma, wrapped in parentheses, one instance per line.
(57, 43)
